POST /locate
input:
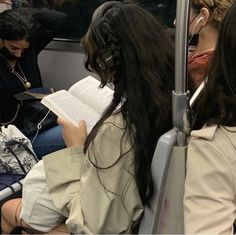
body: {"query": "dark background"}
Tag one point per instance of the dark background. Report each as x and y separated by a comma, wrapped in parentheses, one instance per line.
(80, 12)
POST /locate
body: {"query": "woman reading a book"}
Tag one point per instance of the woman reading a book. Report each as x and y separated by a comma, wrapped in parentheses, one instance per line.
(101, 182)
(23, 35)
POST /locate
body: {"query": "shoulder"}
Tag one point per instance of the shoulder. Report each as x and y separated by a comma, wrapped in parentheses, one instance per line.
(209, 201)
(230, 134)
(115, 120)
(115, 131)
(218, 139)
(111, 142)
(214, 133)
(114, 128)
(211, 156)
(206, 132)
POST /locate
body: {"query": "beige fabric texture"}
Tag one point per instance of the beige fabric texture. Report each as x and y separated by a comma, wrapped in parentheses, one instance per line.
(209, 201)
(92, 200)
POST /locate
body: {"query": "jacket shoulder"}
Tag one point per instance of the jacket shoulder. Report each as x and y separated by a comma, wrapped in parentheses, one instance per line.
(206, 132)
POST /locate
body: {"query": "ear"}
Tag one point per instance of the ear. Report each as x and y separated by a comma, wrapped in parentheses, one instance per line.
(205, 14)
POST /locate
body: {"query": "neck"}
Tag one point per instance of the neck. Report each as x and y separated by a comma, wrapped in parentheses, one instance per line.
(207, 39)
(10, 63)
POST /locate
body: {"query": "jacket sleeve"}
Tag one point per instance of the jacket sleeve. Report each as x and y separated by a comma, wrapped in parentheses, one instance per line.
(209, 201)
(47, 25)
(97, 200)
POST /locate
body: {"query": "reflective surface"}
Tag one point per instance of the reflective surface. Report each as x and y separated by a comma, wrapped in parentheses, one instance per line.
(80, 12)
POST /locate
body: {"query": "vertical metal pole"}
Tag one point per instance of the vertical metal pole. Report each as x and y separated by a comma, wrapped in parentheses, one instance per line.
(180, 95)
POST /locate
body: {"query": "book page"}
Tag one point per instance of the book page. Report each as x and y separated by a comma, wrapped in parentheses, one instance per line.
(65, 105)
(88, 91)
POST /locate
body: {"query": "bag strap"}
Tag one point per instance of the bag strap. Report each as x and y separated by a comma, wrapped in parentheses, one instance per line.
(15, 115)
(27, 149)
(8, 186)
(17, 159)
(9, 145)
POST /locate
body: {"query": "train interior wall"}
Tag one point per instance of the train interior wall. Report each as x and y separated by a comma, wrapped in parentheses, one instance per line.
(62, 64)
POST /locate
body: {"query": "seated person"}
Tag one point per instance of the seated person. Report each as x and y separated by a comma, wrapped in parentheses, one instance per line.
(210, 197)
(22, 38)
(101, 182)
(204, 23)
(205, 19)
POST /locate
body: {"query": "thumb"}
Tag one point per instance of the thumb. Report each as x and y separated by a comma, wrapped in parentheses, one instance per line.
(62, 122)
(83, 126)
(82, 123)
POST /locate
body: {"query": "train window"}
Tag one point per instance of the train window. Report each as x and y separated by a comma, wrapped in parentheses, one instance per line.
(164, 10)
(80, 12)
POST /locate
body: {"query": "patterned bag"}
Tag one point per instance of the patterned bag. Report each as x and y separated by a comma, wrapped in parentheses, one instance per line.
(16, 151)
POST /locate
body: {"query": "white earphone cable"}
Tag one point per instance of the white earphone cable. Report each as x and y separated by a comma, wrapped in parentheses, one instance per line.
(39, 126)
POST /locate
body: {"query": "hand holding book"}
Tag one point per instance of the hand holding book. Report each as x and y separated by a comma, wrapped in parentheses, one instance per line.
(85, 100)
(73, 135)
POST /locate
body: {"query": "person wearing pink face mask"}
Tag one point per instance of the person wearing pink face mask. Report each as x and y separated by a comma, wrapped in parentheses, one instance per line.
(205, 18)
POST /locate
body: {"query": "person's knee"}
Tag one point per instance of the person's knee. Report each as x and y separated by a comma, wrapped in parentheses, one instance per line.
(10, 213)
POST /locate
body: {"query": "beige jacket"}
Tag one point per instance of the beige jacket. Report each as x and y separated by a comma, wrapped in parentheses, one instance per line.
(96, 200)
(210, 197)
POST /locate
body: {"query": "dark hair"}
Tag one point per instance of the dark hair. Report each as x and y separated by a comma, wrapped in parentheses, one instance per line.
(143, 75)
(15, 25)
(217, 104)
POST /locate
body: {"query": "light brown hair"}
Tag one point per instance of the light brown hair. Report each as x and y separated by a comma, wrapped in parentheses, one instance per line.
(217, 9)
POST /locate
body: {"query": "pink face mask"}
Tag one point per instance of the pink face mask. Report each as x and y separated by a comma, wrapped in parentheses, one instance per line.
(199, 66)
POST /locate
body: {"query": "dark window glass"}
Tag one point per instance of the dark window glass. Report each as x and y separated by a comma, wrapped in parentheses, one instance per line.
(80, 12)
(164, 10)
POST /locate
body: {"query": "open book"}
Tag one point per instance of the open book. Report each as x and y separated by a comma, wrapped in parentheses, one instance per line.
(85, 100)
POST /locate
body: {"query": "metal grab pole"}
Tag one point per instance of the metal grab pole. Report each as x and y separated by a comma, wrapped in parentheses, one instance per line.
(180, 94)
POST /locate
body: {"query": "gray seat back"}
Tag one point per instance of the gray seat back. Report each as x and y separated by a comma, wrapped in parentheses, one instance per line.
(165, 216)
(160, 165)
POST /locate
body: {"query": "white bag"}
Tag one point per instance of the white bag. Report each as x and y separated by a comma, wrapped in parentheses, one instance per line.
(16, 152)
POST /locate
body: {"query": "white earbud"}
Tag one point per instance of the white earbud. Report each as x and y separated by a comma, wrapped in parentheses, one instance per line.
(200, 18)
(194, 27)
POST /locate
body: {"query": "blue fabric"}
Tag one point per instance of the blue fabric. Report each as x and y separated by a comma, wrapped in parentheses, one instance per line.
(48, 141)
(6, 180)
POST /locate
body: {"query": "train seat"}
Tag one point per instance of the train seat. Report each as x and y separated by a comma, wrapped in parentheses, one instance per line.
(165, 214)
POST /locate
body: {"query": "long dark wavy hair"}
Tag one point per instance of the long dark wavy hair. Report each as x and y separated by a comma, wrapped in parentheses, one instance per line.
(143, 75)
(217, 103)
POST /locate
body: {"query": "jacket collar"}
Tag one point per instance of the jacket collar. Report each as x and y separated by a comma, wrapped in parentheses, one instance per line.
(208, 132)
